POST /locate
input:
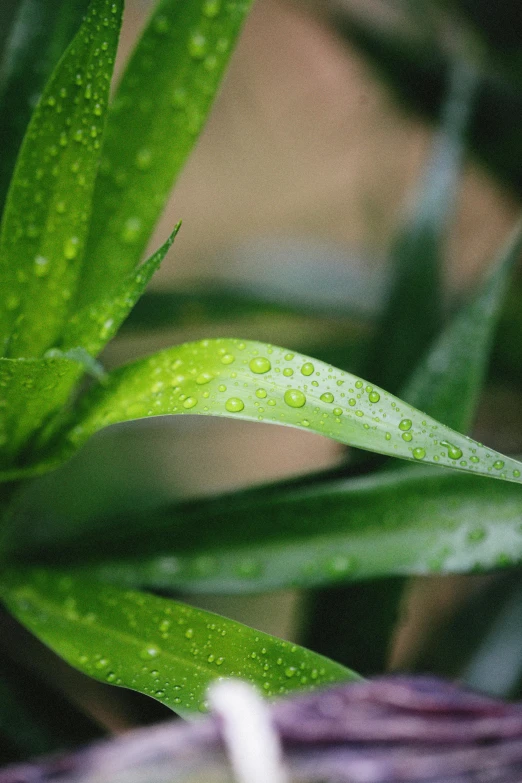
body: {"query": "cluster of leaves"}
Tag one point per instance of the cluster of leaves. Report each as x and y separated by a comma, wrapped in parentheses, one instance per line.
(90, 181)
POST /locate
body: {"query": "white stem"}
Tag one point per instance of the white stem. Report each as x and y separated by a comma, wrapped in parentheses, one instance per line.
(252, 743)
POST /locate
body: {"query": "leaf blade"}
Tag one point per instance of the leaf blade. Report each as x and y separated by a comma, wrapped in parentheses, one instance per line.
(167, 650)
(259, 382)
(44, 225)
(149, 135)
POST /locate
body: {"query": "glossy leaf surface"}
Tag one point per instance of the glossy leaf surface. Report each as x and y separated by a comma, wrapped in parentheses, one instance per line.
(45, 221)
(160, 107)
(38, 37)
(93, 326)
(395, 523)
(31, 391)
(162, 648)
(249, 380)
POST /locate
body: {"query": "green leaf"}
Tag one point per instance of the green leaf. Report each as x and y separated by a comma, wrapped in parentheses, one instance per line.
(32, 391)
(449, 380)
(40, 32)
(407, 327)
(45, 221)
(94, 325)
(400, 522)
(165, 649)
(259, 382)
(160, 107)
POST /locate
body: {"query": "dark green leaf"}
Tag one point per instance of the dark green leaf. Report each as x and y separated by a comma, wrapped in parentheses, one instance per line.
(394, 523)
(47, 211)
(412, 316)
(448, 382)
(162, 648)
(40, 32)
(160, 107)
(32, 391)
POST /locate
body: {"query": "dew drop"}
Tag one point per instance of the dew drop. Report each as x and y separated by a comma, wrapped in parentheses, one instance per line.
(294, 398)
(337, 411)
(131, 230)
(228, 358)
(211, 8)
(453, 451)
(143, 159)
(419, 453)
(261, 393)
(374, 396)
(498, 464)
(234, 405)
(474, 459)
(190, 402)
(307, 368)
(327, 397)
(204, 377)
(71, 247)
(260, 365)
(288, 372)
(405, 424)
(197, 46)
(41, 266)
(290, 671)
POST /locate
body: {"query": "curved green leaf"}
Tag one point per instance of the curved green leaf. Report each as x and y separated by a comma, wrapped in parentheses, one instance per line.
(31, 391)
(160, 107)
(259, 382)
(388, 524)
(93, 326)
(165, 649)
(45, 222)
(40, 32)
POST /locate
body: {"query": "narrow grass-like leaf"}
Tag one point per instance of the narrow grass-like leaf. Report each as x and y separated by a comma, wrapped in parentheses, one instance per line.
(387, 524)
(259, 382)
(92, 327)
(162, 648)
(160, 107)
(407, 327)
(32, 390)
(40, 32)
(45, 221)
(448, 382)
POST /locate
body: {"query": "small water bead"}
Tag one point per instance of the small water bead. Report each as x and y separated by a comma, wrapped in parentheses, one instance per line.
(516, 473)
(405, 425)
(228, 358)
(294, 398)
(287, 372)
(374, 396)
(190, 402)
(222, 387)
(337, 411)
(261, 393)
(359, 384)
(41, 266)
(352, 401)
(260, 365)
(453, 451)
(307, 368)
(474, 459)
(131, 230)
(197, 46)
(289, 357)
(71, 247)
(234, 405)
(211, 8)
(419, 453)
(498, 464)
(477, 535)
(327, 397)
(204, 377)
(143, 159)
(290, 671)
(407, 436)
(189, 633)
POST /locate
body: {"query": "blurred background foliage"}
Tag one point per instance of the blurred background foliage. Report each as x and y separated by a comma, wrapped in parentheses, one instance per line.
(291, 208)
